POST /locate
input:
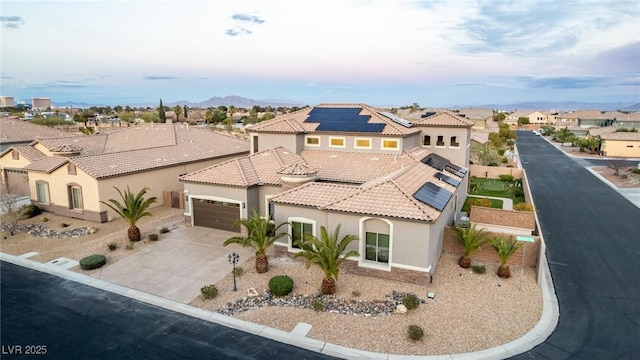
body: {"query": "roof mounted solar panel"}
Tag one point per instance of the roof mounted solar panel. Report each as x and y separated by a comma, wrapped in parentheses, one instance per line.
(342, 119)
(433, 195)
(447, 179)
(436, 161)
(456, 170)
(427, 114)
(396, 119)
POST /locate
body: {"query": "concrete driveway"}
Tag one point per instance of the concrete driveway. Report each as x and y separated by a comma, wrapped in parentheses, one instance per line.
(178, 265)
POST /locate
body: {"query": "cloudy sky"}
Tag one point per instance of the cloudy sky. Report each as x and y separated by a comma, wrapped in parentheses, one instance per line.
(433, 52)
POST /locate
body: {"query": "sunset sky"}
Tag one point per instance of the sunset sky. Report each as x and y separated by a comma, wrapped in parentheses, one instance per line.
(435, 53)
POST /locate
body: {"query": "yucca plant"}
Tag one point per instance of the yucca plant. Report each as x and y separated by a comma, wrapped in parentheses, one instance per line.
(132, 208)
(471, 240)
(505, 248)
(260, 236)
(328, 253)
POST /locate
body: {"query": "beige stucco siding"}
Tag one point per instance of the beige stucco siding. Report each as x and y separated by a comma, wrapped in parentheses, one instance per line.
(621, 148)
(8, 162)
(270, 141)
(354, 143)
(456, 154)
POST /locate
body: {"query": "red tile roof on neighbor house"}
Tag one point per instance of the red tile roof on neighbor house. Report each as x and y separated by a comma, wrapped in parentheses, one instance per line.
(23, 131)
(444, 118)
(176, 144)
(612, 133)
(295, 122)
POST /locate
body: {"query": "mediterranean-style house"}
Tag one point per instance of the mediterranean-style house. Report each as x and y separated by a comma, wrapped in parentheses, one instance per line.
(617, 143)
(395, 184)
(72, 175)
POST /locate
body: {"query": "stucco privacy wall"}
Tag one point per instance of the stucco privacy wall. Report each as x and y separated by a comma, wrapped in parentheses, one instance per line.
(271, 141)
(488, 253)
(494, 172)
(621, 148)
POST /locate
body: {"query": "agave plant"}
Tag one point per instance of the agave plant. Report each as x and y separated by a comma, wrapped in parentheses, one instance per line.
(505, 248)
(328, 253)
(471, 240)
(261, 234)
(132, 208)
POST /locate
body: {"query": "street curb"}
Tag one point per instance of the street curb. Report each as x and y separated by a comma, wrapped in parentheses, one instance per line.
(537, 335)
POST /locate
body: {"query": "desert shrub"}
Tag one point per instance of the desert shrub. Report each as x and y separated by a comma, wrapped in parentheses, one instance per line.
(355, 293)
(624, 176)
(501, 152)
(129, 246)
(164, 230)
(505, 160)
(239, 271)
(93, 261)
(415, 332)
(484, 202)
(522, 207)
(493, 163)
(317, 305)
(153, 237)
(281, 285)
(30, 211)
(410, 301)
(636, 171)
(45, 219)
(479, 269)
(209, 291)
(112, 246)
(506, 177)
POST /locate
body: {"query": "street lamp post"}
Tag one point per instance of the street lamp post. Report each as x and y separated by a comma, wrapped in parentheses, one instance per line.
(233, 259)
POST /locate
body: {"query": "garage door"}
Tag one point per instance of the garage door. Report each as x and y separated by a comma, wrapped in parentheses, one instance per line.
(216, 214)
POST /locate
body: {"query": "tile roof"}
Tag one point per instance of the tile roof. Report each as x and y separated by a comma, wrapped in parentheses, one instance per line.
(256, 169)
(297, 168)
(29, 152)
(353, 167)
(315, 194)
(609, 133)
(295, 122)
(444, 118)
(90, 144)
(513, 219)
(47, 164)
(17, 131)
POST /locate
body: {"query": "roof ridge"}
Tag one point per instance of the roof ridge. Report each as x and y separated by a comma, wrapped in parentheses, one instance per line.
(241, 170)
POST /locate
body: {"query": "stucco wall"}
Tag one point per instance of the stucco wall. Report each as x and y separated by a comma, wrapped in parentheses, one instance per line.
(269, 141)
(458, 155)
(494, 172)
(350, 143)
(620, 148)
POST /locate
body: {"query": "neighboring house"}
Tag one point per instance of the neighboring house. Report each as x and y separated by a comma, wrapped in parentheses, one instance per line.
(382, 178)
(480, 116)
(19, 132)
(615, 143)
(71, 175)
(512, 118)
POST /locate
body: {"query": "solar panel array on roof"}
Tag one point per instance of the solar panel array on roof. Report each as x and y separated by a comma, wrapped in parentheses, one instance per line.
(433, 195)
(449, 180)
(396, 119)
(436, 161)
(342, 119)
(427, 114)
(456, 170)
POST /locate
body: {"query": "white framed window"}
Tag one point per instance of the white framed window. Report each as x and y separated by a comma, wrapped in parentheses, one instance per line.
(297, 228)
(390, 144)
(312, 140)
(454, 142)
(336, 142)
(376, 247)
(426, 140)
(362, 143)
(75, 197)
(440, 142)
(42, 192)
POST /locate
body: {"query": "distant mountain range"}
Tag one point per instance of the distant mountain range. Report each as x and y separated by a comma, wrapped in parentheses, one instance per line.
(242, 102)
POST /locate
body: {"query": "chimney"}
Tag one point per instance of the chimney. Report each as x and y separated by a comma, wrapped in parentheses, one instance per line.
(296, 174)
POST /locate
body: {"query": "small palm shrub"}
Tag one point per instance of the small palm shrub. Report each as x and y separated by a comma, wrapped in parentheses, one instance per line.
(317, 305)
(153, 237)
(479, 269)
(93, 261)
(415, 332)
(112, 246)
(209, 291)
(410, 301)
(164, 230)
(281, 285)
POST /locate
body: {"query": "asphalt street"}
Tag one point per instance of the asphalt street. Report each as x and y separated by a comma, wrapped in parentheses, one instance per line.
(593, 246)
(62, 319)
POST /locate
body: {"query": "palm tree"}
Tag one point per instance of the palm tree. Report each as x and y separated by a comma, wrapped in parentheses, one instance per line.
(132, 208)
(260, 236)
(471, 240)
(505, 249)
(326, 252)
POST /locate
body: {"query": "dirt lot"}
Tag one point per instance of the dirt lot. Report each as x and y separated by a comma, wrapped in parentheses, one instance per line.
(632, 180)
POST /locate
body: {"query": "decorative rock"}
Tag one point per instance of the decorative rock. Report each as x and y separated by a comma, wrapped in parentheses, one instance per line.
(42, 231)
(252, 292)
(92, 230)
(401, 309)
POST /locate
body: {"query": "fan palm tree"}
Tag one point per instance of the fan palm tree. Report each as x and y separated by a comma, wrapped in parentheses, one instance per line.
(328, 253)
(471, 240)
(132, 208)
(505, 249)
(260, 236)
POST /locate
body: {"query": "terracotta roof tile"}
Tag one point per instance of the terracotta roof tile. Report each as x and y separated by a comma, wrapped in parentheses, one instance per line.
(47, 164)
(17, 131)
(609, 133)
(315, 194)
(29, 152)
(297, 168)
(444, 118)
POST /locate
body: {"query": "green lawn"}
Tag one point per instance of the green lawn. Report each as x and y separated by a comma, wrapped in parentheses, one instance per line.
(495, 203)
(494, 187)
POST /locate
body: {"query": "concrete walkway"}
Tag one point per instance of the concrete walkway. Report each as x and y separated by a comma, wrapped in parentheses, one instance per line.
(183, 261)
(507, 204)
